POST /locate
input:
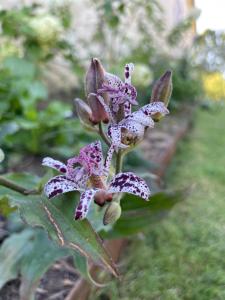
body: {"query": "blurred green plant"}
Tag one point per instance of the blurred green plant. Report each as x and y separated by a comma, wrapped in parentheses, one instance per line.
(29, 120)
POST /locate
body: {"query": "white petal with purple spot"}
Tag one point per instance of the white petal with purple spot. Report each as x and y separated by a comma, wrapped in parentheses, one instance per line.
(136, 129)
(114, 132)
(59, 185)
(55, 164)
(84, 203)
(155, 107)
(113, 81)
(128, 70)
(129, 183)
(140, 117)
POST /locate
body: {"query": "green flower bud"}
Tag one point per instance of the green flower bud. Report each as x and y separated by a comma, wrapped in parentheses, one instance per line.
(93, 81)
(83, 112)
(112, 213)
(162, 91)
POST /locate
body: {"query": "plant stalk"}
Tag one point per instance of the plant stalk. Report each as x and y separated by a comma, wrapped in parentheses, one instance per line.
(103, 135)
(119, 161)
(15, 187)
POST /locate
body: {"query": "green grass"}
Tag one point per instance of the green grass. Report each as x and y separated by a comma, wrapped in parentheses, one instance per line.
(183, 257)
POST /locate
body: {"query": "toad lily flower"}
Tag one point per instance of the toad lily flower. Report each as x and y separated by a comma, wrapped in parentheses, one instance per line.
(132, 128)
(120, 93)
(90, 179)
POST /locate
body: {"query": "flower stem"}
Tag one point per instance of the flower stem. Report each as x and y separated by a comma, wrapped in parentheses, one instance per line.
(103, 135)
(119, 161)
(13, 186)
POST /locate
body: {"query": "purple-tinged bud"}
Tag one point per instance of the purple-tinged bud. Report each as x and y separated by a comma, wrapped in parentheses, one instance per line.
(162, 91)
(112, 213)
(93, 81)
(83, 111)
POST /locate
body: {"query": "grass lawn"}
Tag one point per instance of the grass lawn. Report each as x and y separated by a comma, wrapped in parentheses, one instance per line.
(183, 257)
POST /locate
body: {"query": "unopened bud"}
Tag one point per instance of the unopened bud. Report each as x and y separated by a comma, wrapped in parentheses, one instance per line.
(83, 112)
(162, 89)
(93, 81)
(94, 76)
(112, 213)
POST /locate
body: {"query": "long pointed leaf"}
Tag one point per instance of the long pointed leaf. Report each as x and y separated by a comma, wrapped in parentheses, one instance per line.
(76, 235)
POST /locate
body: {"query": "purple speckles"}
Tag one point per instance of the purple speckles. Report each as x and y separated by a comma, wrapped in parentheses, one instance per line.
(84, 204)
(55, 164)
(55, 192)
(129, 183)
(78, 215)
(59, 185)
(155, 107)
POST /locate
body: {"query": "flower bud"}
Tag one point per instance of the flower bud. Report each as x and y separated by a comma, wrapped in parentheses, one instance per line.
(83, 112)
(162, 91)
(112, 213)
(93, 81)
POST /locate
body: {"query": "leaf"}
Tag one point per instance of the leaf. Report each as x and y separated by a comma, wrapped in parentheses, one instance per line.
(19, 67)
(75, 235)
(29, 253)
(11, 252)
(81, 264)
(138, 214)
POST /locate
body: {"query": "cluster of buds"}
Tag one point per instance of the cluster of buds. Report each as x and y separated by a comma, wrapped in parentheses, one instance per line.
(108, 100)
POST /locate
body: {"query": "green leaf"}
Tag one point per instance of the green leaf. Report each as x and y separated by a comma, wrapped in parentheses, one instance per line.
(81, 264)
(11, 252)
(138, 214)
(19, 67)
(29, 253)
(75, 235)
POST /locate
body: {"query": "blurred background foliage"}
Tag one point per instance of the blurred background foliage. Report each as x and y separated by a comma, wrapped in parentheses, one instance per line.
(42, 65)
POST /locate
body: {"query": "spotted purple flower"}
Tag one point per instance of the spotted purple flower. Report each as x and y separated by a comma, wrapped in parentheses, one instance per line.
(136, 123)
(120, 183)
(85, 179)
(120, 93)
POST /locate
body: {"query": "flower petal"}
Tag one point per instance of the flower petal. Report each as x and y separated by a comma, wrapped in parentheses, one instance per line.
(105, 106)
(113, 81)
(59, 185)
(155, 107)
(84, 203)
(135, 128)
(91, 158)
(128, 70)
(127, 109)
(55, 164)
(108, 160)
(114, 132)
(140, 117)
(129, 183)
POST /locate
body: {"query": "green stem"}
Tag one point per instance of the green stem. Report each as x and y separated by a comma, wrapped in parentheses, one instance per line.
(103, 135)
(119, 161)
(15, 187)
